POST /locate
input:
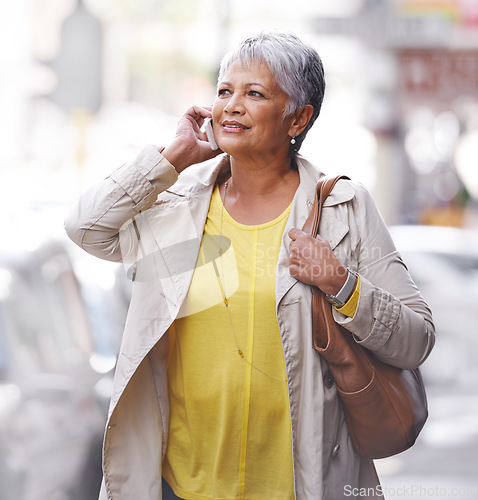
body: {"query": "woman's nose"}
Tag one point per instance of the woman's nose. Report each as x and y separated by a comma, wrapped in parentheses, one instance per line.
(234, 105)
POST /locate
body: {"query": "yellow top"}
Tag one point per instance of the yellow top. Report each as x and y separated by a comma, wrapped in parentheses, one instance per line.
(230, 429)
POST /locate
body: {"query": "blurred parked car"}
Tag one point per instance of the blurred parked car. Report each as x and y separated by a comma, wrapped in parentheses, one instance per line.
(443, 262)
(59, 335)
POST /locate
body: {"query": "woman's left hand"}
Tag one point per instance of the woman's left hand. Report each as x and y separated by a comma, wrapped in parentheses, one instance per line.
(313, 262)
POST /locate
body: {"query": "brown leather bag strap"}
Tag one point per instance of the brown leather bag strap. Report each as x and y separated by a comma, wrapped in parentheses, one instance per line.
(324, 187)
(384, 407)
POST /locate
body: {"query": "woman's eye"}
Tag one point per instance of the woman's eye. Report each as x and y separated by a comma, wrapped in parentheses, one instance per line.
(255, 93)
(223, 92)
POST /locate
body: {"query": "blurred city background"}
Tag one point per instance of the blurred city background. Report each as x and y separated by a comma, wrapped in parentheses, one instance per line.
(84, 85)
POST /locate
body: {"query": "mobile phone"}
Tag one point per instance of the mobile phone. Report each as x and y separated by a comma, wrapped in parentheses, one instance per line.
(210, 133)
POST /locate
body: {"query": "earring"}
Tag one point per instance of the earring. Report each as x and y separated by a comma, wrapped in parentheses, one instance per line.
(292, 141)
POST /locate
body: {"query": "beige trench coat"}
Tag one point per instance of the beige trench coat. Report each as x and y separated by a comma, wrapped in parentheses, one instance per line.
(392, 318)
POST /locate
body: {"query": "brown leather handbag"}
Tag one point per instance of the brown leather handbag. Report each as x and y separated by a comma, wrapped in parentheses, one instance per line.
(385, 407)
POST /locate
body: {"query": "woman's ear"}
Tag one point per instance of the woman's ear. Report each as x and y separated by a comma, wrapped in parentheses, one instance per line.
(300, 119)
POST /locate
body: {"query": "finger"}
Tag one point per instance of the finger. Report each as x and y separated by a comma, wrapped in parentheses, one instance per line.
(294, 233)
(196, 110)
(292, 272)
(197, 114)
(294, 252)
(295, 271)
(201, 112)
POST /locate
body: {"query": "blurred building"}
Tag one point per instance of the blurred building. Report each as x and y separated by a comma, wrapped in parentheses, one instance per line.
(88, 83)
(420, 61)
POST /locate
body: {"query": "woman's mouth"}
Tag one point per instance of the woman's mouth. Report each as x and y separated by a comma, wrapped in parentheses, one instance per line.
(233, 126)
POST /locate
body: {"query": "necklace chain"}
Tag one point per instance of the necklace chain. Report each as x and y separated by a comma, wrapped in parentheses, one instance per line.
(226, 302)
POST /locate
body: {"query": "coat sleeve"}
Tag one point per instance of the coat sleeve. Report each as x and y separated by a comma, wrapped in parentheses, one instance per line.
(392, 319)
(100, 221)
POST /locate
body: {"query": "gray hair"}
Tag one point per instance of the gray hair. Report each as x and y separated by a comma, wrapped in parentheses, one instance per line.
(296, 67)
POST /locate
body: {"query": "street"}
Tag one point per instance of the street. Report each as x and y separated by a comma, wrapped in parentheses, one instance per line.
(444, 461)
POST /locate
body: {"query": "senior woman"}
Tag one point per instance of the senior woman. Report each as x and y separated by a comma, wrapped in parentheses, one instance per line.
(218, 391)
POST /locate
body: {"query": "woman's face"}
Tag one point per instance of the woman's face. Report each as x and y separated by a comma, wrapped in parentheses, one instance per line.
(248, 113)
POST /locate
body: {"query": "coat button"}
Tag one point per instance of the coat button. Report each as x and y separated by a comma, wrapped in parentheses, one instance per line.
(328, 379)
(335, 451)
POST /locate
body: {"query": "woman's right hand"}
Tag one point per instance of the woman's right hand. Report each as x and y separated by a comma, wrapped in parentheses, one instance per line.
(190, 145)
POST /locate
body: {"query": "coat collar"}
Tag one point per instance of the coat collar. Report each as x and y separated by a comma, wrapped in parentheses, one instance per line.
(310, 174)
(206, 174)
(201, 178)
(332, 228)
